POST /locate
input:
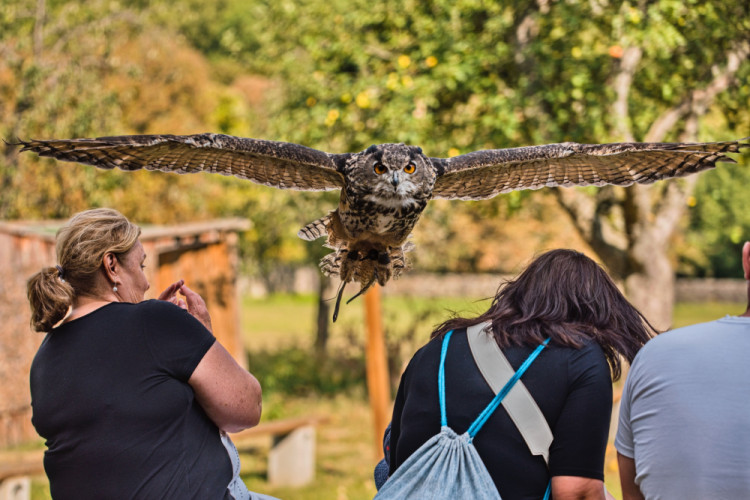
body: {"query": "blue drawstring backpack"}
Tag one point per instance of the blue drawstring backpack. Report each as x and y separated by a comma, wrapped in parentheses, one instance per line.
(448, 466)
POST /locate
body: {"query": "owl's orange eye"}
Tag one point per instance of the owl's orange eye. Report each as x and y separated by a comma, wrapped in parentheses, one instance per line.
(410, 168)
(379, 168)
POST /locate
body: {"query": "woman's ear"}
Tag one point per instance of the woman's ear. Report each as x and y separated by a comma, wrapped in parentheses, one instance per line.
(746, 259)
(110, 266)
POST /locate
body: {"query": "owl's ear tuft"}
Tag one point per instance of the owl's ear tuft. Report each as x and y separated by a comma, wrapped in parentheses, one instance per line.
(418, 150)
(371, 149)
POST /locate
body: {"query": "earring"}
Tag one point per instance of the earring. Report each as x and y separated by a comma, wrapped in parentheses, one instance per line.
(114, 289)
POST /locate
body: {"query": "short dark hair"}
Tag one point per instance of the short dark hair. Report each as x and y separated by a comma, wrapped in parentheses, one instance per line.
(568, 297)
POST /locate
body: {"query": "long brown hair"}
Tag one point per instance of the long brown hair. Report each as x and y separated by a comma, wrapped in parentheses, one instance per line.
(568, 297)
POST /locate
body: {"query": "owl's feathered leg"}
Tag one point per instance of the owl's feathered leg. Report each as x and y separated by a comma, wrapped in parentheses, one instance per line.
(399, 258)
(330, 265)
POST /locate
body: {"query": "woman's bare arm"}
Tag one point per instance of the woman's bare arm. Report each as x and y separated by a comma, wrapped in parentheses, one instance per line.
(228, 393)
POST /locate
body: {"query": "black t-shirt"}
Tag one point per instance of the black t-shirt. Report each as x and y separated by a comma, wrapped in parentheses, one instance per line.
(110, 396)
(572, 387)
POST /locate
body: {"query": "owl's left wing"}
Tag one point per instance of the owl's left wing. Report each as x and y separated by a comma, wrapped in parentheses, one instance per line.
(278, 164)
(484, 174)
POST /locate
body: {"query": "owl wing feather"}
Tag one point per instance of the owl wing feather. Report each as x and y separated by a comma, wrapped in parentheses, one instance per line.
(278, 164)
(484, 174)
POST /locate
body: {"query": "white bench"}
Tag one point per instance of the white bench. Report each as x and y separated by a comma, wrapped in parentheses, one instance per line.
(291, 460)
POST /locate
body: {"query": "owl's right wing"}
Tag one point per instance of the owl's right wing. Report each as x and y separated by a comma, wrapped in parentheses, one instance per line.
(484, 174)
(278, 164)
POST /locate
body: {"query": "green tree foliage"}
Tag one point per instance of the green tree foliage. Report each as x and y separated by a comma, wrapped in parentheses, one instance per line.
(459, 75)
(451, 76)
(719, 224)
(74, 70)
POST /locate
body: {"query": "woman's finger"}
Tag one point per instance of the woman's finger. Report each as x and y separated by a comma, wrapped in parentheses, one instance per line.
(171, 290)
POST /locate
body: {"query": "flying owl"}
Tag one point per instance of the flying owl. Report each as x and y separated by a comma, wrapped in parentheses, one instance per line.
(385, 188)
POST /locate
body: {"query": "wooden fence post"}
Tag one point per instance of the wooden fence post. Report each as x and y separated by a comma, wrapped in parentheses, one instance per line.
(378, 385)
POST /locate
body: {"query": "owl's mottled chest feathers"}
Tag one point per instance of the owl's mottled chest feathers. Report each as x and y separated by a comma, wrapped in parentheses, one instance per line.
(370, 220)
(387, 188)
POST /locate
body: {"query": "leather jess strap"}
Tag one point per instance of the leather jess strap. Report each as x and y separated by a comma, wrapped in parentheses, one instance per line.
(519, 404)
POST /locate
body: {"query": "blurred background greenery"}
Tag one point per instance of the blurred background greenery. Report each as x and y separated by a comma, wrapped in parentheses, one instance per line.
(339, 75)
(449, 75)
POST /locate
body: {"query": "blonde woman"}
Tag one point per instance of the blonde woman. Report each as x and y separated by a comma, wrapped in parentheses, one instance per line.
(133, 397)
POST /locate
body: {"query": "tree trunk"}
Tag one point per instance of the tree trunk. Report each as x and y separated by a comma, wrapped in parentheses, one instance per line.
(636, 255)
(636, 252)
(649, 284)
(324, 314)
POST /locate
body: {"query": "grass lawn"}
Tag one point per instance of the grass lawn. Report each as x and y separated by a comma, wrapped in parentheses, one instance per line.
(283, 320)
(344, 446)
(689, 313)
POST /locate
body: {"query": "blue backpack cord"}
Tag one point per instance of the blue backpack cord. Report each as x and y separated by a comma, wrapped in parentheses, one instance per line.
(476, 426)
(441, 379)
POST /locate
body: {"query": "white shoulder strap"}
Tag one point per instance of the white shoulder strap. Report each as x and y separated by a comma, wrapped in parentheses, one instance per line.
(519, 404)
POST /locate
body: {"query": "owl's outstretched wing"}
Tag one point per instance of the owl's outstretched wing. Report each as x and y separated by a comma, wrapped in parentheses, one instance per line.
(484, 174)
(278, 164)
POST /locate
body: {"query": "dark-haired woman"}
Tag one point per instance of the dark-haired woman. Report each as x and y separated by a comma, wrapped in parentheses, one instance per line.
(566, 297)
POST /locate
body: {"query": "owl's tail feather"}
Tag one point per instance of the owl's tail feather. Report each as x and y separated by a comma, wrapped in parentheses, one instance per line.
(316, 229)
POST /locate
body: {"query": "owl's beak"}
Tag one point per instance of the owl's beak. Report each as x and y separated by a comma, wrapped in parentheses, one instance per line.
(395, 179)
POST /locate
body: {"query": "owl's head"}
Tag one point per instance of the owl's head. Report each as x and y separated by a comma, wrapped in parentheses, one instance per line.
(391, 174)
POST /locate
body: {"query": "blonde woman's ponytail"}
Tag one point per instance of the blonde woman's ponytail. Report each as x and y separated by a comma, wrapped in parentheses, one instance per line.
(50, 298)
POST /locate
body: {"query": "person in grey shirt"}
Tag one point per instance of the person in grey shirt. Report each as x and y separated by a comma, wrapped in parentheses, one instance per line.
(684, 428)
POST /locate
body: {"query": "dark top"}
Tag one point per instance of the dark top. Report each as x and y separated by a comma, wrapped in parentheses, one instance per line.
(110, 395)
(572, 387)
